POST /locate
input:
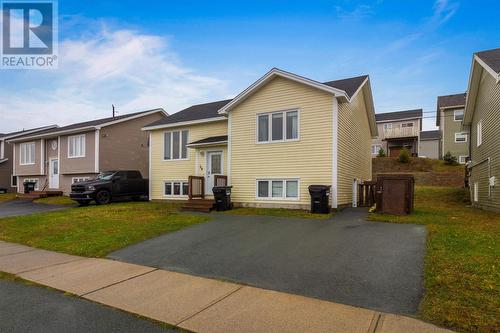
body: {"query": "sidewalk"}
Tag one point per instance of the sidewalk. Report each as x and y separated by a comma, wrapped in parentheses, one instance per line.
(195, 303)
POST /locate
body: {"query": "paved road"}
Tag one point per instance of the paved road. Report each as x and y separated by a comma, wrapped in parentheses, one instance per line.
(344, 260)
(25, 308)
(25, 207)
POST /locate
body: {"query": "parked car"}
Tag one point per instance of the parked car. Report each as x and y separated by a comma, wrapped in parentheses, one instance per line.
(110, 185)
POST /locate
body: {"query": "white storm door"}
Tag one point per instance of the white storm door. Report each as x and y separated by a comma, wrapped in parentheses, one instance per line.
(54, 173)
(214, 167)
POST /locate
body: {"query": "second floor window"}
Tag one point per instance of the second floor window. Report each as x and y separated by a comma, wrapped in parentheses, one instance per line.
(458, 115)
(479, 137)
(460, 137)
(27, 153)
(76, 146)
(406, 125)
(175, 145)
(278, 126)
(387, 126)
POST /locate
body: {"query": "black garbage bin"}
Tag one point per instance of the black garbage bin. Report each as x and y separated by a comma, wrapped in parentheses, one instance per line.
(222, 196)
(29, 187)
(320, 197)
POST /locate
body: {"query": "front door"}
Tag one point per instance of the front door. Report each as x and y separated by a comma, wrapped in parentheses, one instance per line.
(54, 173)
(214, 167)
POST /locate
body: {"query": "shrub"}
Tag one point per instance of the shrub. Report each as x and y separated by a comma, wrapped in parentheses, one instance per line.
(450, 159)
(404, 156)
(381, 152)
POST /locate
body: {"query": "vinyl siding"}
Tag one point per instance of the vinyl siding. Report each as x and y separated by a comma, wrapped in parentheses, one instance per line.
(354, 149)
(448, 135)
(6, 168)
(429, 148)
(78, 165)
(487, 109)
(32, 169)
(309, 158)
(180, 170)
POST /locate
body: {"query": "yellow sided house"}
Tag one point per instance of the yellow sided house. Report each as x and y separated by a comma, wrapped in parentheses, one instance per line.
(277, 137)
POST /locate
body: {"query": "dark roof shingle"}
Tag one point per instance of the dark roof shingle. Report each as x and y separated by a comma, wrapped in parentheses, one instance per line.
(349, 85)
(212, 139)
(430, 135)
(387, 116)
(491, 58)
(29, 130)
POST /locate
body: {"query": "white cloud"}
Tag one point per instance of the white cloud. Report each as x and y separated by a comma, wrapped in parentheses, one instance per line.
(134, 71)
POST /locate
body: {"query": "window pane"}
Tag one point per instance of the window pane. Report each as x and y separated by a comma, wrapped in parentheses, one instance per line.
(216, 164)
(292, 189)
(292, 129)
(263, 190)
(277, 129)
(168, 188)
(263, 128)
(459, 114)
(32, 153)
(184, 143)
(175, 147)
(185, 188)
(71, 144)
(167, 154)
(177, 189)
(277, 189)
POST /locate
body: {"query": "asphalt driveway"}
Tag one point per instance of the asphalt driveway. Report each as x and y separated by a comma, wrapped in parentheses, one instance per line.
(28, 308)
(344, 260)
(25, 207)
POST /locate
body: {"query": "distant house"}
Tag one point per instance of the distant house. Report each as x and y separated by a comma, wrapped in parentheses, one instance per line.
(58, 157)
(482, 121)
(8, 181)
(277, 137)
(429, 144)
(398, 130)
(450, 112)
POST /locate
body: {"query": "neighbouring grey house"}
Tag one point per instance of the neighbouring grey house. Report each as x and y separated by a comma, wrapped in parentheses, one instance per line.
(482, 121)
(58, 157)
(454, 139)
(398, 130)
(429, 144)
(8, 182)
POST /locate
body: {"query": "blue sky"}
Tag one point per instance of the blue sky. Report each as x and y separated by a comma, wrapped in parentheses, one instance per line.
(171, 54)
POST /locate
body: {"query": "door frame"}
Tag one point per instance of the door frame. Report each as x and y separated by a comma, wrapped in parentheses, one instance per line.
(51, 176)
(209, 167)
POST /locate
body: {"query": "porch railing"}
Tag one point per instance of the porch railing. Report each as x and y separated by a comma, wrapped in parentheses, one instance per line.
(366, 193)
(399, 132)
(220, 180)
(196, 187)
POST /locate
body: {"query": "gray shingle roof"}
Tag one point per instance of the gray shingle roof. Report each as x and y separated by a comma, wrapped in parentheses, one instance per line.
(210, 110)
(95, 122)
(212, 139)
(447, 101)
(387, 116)
(37, 130)
(491, 58)
(430, 135)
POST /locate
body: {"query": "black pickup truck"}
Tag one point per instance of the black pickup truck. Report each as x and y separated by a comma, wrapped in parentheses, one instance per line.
(108, 186)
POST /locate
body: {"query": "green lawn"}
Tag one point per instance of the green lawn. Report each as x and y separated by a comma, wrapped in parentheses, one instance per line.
(95, 231)
(7, 197)
(276, 212)
(462, 264)
(59, 200)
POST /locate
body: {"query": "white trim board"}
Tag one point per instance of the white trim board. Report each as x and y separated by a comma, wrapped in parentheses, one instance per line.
(335, 142)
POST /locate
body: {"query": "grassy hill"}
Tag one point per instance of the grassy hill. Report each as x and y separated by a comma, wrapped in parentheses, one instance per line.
(427, 172)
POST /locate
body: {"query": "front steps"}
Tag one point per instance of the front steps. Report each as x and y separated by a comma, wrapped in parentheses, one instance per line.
(198, 205)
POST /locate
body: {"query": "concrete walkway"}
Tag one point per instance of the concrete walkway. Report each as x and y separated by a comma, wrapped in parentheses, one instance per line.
(195, 303)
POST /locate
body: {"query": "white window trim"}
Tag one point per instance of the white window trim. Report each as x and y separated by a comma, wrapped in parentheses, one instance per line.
(81, 179)
(476, 192)
(36, 180)
(387, 126)
(479, 134)
(2, 150)
(21, 152)
(455, 114)
(460, 133)
(182, 195)
(270, 189)
(464, 157)
(84, 145)
(270, 125)
(172, 147)
(378, 146)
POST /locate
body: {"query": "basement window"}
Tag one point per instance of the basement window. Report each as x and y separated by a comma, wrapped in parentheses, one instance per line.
(176, 188)
(278, 189)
